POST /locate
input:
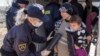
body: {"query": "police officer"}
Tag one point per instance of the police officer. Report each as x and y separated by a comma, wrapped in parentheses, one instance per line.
(22, 39)
(10, 21)
(52, 11)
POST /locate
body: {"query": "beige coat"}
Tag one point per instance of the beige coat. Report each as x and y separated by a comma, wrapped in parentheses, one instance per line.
(62, 47)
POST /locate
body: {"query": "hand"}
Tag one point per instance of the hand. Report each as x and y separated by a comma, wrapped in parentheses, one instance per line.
(89, 38)
(76, 47)
(45, 52)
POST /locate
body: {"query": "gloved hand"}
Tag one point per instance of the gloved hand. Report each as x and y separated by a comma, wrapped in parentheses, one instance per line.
(45, 53)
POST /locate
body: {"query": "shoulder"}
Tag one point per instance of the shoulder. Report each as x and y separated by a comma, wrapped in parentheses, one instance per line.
(12, 33)
(58, 23)
(17, 29)
(12, 10)
(83, 25)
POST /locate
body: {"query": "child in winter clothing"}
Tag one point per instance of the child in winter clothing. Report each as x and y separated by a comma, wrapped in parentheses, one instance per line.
(80, 36)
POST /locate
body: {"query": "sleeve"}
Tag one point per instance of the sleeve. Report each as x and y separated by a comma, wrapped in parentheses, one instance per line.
(39, 39)
(48, 27)
(95, 9)
(10, 17)
(88, 34)
(21, 47)
(57, 25)
(11, 12)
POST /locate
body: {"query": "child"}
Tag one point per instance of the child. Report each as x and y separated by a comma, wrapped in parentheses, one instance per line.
(79, 34)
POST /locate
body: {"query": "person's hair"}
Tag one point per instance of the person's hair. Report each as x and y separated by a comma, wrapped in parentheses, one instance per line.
(76, 19)
(88, 1)
(56, 1)
(19, 18)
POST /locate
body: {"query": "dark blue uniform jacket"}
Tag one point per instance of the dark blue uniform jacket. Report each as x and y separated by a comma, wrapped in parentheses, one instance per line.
(18, 40)
(10, 21)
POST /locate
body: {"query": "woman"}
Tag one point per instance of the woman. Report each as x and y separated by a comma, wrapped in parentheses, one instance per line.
(65, 44)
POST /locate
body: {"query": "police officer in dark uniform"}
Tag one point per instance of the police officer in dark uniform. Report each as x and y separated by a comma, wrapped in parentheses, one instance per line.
(22, 40)
(11, 13)
(52, 11)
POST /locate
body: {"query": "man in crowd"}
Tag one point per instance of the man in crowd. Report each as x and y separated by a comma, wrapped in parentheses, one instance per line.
(11, 13)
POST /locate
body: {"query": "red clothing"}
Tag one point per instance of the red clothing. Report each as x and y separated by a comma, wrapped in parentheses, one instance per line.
(91, 16)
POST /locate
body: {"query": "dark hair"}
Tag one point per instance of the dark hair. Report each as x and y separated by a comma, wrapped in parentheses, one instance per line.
(23, 2)
(68, 7)
(76, 18)
(25, 11)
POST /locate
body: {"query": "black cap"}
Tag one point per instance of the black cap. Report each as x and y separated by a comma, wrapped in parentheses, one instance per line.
(66, 7)
(35, 12)
(23, 2)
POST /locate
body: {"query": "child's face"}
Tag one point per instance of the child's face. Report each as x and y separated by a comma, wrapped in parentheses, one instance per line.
(75, 26)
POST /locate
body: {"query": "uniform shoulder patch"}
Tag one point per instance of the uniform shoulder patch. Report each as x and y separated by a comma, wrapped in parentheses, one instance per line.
(47, 12)
(22, 47)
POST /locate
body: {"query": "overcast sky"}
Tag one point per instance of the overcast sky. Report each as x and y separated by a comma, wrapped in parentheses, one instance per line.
(5, 2)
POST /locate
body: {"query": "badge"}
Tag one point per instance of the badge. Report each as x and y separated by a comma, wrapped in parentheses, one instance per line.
(22, 47)
(47, 12)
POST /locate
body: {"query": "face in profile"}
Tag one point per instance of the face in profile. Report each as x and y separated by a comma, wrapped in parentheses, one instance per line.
(75, 26)
(35, 21)
(65, 15)
(22, 5)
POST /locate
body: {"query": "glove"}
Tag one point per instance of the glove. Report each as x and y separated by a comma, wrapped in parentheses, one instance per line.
(45, 53)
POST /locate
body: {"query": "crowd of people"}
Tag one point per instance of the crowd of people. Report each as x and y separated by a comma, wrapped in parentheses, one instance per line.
(31, 27)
